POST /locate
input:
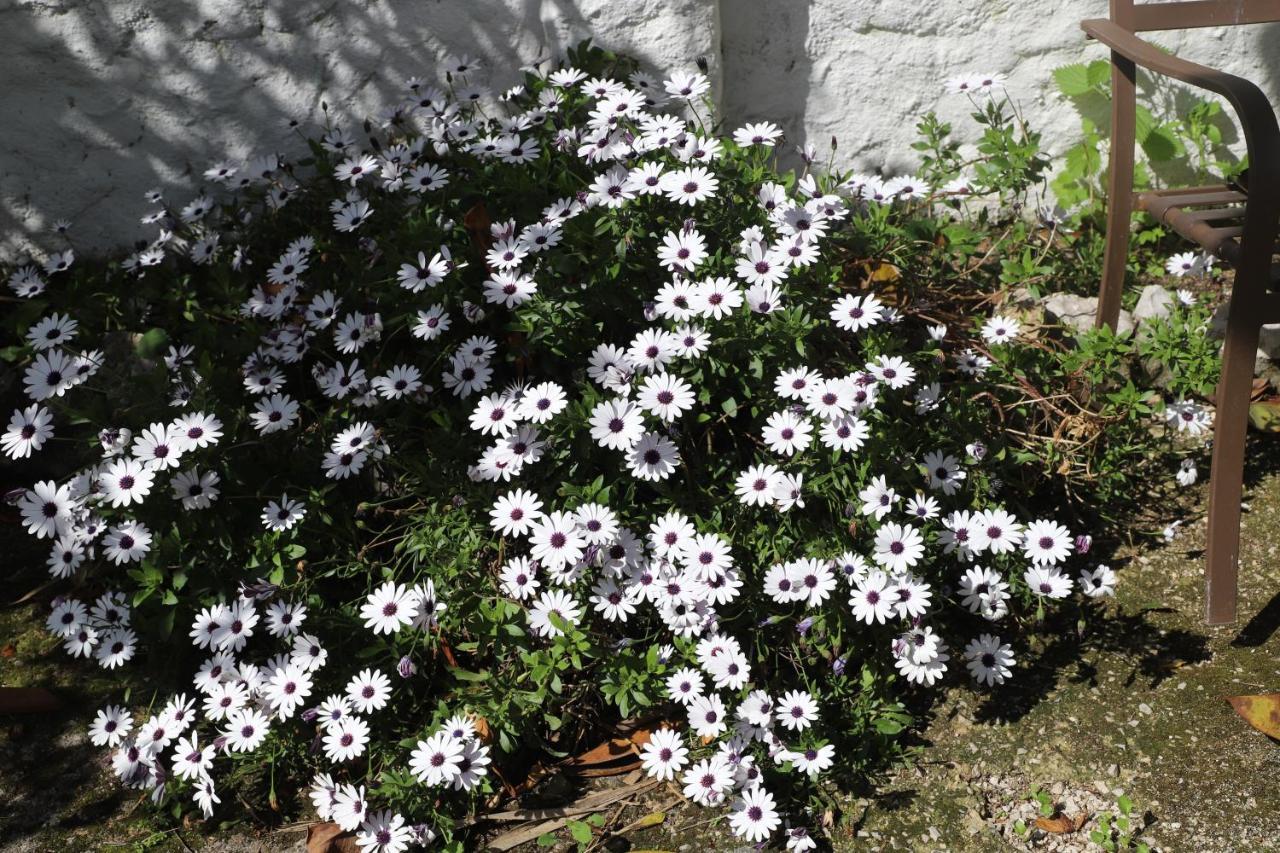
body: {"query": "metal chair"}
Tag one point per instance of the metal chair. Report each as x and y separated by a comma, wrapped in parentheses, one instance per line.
(1236, 223)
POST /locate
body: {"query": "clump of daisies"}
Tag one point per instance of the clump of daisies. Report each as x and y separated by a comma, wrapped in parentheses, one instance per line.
(551, 396)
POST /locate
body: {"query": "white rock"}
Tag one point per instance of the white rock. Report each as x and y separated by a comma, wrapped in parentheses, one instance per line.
(1154, 303)
(1078, 312)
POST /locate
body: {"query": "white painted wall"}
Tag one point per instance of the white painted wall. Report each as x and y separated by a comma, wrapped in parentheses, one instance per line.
(103, 99)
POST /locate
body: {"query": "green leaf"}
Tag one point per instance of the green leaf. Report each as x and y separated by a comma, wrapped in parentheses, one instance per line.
(468, 675)
(151, 343)
(888, 726)
(1099, 72)
(1161, 145)
(580, 831)
(1073, 80)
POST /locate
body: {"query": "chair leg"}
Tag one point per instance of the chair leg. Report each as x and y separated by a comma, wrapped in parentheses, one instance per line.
(1119, 190)
(1226, 482)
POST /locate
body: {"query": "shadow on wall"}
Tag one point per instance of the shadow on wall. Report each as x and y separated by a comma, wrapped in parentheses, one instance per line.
(764, 48)
(104, 100)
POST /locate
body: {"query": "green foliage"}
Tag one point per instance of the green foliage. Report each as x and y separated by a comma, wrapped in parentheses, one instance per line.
(1049, 427)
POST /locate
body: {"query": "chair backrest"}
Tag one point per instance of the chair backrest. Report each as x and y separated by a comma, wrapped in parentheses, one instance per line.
(1143, 17)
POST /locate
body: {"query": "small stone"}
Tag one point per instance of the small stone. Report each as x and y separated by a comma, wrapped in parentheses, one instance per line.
(1077, 313)
(1154, 303)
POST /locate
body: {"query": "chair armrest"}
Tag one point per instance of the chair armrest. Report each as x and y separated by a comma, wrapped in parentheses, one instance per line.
(1257, 118)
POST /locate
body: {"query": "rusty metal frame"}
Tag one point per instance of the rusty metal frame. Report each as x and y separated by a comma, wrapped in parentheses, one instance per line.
(1248, 247)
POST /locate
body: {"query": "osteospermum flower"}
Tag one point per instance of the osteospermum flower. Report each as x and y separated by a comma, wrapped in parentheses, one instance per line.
(754, 486)
(855, 313)
(274, 414)
(665, 396)
(352, 215)
(664, 755)
(542, 402)
(653, 457)
(796, 710)
(282, 515)
(707, 715)
(898, 547)
(389, 608)
(384, 832)
(47, 509)
(52, 331)
(126, 481)
(51, 374)
(878, 498)
(988, 659)
(1046, 542)
(345, 739)
(787, 433)
(28, 430)
(116, 647)
(246, 729)
(893, 371)
(1000, 330)
(286, 690)
(553, 603)
(689, 185)
(127, 542)
(515, 513)
(1098, 582)
(436, 760)
(763, 133)
(369, 691)
(111, 726)
(617, 424)
(1184, 263)
(754, 815)
(1047, 582)
(708, 781)
(1188, 416)
(682, 250)
(760, 265)
(556, 541)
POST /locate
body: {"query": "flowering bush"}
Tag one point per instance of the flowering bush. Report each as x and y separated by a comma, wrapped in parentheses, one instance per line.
(457, 441)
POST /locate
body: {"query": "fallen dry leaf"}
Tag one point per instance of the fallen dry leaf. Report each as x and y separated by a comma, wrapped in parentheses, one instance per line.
(882, 271)
(583, 805)
(525, 834)
(610, 750)
(651, 819)
(614, 757)
(330, 838)
(1060, 824)
(482, 729)
(1262, 712)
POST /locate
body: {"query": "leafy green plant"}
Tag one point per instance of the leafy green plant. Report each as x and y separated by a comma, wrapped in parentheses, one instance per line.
(1119, 830)
(383, 347)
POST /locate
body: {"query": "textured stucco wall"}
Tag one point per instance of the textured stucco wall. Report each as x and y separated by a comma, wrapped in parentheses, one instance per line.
(865, 70)
(103, 99)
